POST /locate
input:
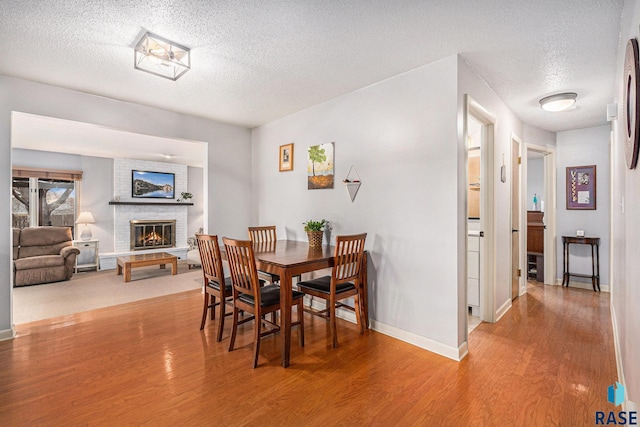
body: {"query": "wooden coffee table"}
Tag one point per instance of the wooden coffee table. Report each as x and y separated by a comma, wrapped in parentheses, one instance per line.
(126, 263)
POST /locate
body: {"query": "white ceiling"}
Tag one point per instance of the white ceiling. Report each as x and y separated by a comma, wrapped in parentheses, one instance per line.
(255, 61)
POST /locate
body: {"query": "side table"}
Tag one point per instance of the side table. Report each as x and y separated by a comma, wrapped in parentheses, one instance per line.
(595, 259)
(88, 257)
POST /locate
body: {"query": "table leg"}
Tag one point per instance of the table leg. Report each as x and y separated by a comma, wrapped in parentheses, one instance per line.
(598, 266)
(593, 269)
(163, 266)
(566, 274)
(127, 272)
(119, 269)
(174, 266)
(564, 262)
(285, 314)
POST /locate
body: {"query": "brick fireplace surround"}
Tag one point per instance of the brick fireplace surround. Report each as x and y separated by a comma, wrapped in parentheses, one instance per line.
(154, 209)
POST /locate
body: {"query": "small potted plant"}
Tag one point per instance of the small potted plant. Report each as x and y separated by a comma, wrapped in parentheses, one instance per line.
(315, 231)
(185, 197)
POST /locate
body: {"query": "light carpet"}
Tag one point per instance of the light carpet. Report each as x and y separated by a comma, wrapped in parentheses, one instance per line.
(90, 290)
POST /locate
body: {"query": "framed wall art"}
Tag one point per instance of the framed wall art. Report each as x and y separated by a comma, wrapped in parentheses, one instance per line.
(631, 107)
(286, 157)
(581, 187)
(320, 166)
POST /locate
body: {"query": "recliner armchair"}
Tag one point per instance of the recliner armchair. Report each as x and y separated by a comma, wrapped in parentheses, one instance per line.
(43, 255)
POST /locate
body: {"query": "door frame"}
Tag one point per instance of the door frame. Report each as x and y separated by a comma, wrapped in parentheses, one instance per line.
(521, 216)
(487, 207)
(550, 190)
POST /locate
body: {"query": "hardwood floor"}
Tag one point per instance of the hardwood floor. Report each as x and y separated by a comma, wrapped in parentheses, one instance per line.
(549, 361)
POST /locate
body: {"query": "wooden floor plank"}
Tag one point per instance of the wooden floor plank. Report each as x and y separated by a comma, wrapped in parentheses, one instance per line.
(548, 361)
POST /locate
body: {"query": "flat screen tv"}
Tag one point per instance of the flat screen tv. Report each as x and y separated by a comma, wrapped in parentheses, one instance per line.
(153, 185)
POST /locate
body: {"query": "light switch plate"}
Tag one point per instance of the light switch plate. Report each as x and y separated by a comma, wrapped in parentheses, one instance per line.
(580, 233)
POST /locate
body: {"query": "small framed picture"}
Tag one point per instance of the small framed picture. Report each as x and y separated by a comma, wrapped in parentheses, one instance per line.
(286, 157)
(581, 187)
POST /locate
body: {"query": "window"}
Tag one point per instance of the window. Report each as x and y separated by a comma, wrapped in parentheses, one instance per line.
(49, 198)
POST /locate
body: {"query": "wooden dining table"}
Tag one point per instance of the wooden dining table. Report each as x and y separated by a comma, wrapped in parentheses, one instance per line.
(289, 258)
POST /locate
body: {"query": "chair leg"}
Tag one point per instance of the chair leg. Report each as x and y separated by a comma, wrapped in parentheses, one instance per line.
(221, 321)
(301, 320)
(359, 312)
(234, 328)
(257, 327)
(213, 307)
(332, 322)
(204, 310)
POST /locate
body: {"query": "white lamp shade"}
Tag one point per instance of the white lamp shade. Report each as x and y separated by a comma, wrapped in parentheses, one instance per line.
(85, 217)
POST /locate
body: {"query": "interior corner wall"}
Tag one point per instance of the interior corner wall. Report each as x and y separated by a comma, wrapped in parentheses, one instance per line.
(537, 136)
(584, 147)
(228, 147)
(506, 125)
(195, 213)
(625, 229)
(400, 136)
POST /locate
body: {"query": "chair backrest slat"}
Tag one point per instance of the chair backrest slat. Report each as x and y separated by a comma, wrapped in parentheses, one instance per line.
(242, 264)
(348, 257)
(262, 234)
(210, 257)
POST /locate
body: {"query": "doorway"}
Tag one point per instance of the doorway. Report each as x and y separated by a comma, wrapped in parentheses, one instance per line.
(538, 201)
(479, 124)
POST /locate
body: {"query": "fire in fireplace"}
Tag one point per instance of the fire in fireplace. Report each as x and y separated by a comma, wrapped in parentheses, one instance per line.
(151, 234)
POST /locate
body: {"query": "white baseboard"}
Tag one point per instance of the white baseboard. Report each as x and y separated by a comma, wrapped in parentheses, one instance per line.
(503, 310)
(628, 405)
(7, 334)
(456, 354)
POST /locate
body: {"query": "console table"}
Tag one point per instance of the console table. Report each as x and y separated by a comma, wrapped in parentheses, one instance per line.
(595, 259)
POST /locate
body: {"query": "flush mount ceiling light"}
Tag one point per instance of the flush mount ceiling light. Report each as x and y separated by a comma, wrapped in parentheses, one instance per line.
(159, 56)
(558, 102)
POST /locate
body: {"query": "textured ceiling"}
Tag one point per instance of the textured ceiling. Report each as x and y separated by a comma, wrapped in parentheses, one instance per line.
(257, 61)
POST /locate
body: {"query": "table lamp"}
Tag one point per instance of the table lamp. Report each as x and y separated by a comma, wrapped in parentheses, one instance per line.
(85, 218)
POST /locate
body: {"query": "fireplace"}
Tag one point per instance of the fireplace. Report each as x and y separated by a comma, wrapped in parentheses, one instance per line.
(152, 234)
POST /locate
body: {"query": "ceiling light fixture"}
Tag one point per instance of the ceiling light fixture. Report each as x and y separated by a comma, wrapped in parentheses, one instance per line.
(558, 102)
(159, 56)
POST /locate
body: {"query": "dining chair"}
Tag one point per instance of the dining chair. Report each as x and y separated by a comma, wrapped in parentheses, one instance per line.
(265, 238)
(344, 282)
(264, 235)
(216, 286)
(249, 296)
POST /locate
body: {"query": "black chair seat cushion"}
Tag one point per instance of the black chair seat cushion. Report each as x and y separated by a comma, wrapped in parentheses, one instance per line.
(228, 287)
(323, 285)
(269, 295)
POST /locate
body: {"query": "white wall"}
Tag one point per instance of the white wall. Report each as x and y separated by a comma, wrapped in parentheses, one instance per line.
(581, 148)
(400, 134)
(404, 136)
(625, 230)
(195, 213)
(229, 155)
(534, 135)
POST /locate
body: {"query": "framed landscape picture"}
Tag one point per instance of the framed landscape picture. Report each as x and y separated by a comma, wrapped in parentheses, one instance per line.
(286, 157)
(581, 187)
